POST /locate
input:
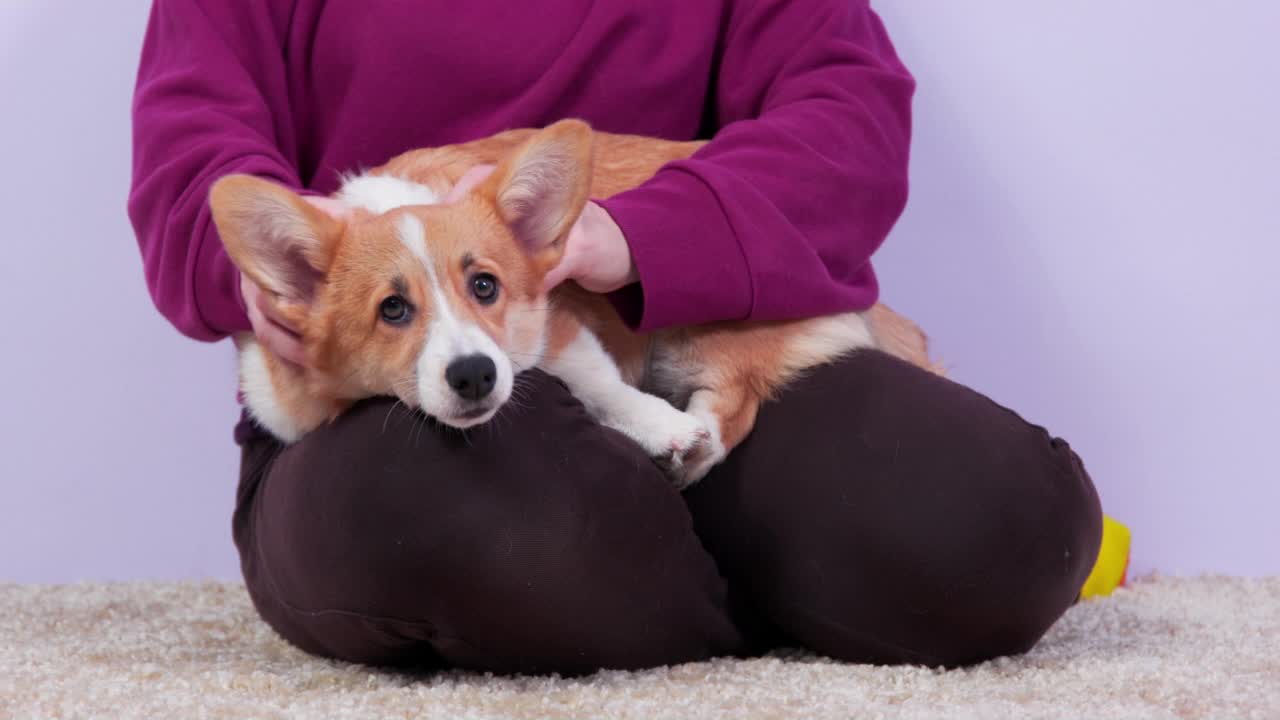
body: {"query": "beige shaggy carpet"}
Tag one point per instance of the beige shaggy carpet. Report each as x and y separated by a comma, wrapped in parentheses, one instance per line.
(1166, 647)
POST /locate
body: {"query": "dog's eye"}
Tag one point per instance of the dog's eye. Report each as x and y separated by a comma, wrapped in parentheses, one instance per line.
(394, 310)
(485, 288)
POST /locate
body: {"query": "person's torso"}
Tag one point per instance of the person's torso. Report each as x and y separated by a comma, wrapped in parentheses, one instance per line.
(369, 79)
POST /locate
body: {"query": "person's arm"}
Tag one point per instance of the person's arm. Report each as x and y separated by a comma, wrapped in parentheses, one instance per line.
(210, 99)
(778, 215)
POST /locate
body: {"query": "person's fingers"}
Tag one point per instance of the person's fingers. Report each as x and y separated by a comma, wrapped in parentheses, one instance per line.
(270, 327)
(336, 208)
(249, 292)
(469, 180)
(284, 344)
(269, 312)
(558, 274)
(570, 261)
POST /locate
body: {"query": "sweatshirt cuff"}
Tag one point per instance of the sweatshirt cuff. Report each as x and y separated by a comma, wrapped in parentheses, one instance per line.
(691, 267)
(217, 290)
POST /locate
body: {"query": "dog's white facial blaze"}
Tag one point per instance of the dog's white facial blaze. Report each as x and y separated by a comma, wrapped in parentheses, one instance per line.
(450, 338)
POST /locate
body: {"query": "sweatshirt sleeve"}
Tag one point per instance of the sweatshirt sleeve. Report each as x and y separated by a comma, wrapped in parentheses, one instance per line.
(778, 215)
(211, 99)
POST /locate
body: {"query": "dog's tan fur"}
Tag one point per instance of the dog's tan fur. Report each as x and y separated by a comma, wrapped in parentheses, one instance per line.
(513, 225)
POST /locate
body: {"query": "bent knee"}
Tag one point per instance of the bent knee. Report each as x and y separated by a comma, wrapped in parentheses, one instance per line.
(988, 582)
(383, 495)
(908, 518)
(550, 544)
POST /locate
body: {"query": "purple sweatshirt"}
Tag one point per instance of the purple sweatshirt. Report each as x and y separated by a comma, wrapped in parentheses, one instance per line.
(776, 217)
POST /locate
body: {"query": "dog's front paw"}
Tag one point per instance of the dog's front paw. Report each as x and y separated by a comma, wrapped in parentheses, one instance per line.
(686, 450)
(697, 465)
(671, 437)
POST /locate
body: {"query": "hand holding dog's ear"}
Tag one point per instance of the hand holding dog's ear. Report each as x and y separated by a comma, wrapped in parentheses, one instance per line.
(468, 182)
(278, 238)
(596, 254)
(336, 209)
(271, 328)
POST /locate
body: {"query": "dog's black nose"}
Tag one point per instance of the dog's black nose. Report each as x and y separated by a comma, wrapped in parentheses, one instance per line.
(472, 377)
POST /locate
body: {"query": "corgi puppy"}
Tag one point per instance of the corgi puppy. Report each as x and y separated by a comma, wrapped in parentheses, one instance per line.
(440, 304)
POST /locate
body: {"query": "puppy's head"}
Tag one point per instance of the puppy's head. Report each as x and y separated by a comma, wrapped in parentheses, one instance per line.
(439, 305)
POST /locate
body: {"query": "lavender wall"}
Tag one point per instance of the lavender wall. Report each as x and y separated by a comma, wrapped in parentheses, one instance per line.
(117, 459)
(1092, 239)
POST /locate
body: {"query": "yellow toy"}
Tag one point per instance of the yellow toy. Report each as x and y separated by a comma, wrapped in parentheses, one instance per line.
(1112, 566)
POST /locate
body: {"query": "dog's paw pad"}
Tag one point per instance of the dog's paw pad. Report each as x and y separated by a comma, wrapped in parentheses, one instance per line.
(685, 449)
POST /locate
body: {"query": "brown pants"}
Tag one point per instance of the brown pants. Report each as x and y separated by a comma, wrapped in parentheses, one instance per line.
(877, 513)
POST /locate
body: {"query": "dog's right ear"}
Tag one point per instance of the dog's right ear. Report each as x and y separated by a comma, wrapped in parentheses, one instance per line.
(282, 242)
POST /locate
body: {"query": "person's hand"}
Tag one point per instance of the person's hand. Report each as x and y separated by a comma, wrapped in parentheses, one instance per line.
(596, 255)
(468, 181)
(269, 327)
(272, 330)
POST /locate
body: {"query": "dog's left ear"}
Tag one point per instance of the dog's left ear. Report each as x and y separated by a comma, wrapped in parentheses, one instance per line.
(540, 191)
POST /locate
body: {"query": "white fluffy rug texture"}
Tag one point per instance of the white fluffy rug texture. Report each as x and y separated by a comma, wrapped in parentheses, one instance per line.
(1165, 647)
